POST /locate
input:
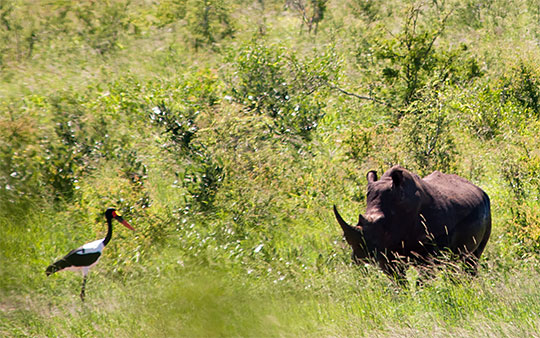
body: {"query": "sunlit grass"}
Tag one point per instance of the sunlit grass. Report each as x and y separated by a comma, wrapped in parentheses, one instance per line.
(171, 295)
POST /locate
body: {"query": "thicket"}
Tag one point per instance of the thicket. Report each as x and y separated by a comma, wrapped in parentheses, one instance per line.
(224, 130)
(426, 89)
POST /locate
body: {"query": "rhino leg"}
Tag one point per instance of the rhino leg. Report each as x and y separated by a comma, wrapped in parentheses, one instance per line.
(471, 260)
(395, 268)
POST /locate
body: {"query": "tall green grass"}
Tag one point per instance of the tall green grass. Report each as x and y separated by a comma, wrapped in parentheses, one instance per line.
(169, 297)
(170, 293)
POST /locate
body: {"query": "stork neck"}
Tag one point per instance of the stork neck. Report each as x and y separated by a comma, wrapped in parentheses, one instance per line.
(109, 232)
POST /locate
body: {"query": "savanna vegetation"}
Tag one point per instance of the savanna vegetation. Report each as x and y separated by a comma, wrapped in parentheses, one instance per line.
(225, 130)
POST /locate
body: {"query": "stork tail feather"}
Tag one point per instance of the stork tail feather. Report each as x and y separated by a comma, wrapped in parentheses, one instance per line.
(56, 266)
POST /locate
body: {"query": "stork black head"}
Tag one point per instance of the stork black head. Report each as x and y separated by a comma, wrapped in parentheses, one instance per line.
(111, 213)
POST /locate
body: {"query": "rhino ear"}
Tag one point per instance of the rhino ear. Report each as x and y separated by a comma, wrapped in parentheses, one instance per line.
(371, 176)
(397, 177)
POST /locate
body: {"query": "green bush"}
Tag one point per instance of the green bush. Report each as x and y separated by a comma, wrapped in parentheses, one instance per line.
(202, 172)
(523, 86)
(412, 61)
(427, 135)
(208, 21)
(169, 11)
(20, 156)
(19, 32)
(101, 25)
(311, 12)
(484, 112)
(273, 81)
(521, 174)
(490, 107)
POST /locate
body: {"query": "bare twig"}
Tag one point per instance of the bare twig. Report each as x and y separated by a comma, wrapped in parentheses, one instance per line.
(361, 97)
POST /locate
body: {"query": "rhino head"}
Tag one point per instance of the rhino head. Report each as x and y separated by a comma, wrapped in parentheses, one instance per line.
(393, 208)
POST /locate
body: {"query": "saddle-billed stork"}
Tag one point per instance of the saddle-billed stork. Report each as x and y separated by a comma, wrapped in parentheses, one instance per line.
(87, 256)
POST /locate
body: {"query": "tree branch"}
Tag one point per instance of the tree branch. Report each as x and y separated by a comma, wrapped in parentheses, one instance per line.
(361, 97)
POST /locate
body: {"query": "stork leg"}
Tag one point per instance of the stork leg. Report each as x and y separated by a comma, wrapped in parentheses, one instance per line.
(85, 272)
(82, 290)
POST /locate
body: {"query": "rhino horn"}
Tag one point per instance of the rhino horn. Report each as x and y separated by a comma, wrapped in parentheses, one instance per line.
(350, 231)
(361, 221)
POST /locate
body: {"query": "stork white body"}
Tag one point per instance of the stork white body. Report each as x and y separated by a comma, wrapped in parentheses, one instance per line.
(85, 250)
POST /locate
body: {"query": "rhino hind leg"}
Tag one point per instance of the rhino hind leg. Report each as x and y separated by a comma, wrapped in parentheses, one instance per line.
(470, 237)
(475, 257)
(478, 252)
(470, 259)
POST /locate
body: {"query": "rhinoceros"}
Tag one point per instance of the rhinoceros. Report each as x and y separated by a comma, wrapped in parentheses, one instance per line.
(410, 219)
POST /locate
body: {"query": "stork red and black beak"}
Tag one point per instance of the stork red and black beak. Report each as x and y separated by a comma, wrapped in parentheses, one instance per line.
(121, 220)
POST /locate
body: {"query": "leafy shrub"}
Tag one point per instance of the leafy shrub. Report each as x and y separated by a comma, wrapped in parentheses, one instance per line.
(312, 12)
(208, 21)
(71, 150)
(367, 10)
(408, 63)
(484, 112)
(169, 11)
(102, 23)
(202, 172)
(491, 107)
(20, 156)
(19, 32)
(522, 177)
(271, 80)
(44, 156)
(427, 136)
(523, 86)
(82, 140)
(374, 146)
(360, 144)
(179, 125)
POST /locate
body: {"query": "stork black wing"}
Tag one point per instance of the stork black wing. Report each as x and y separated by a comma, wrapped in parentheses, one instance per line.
(76, 258)
(56, 266)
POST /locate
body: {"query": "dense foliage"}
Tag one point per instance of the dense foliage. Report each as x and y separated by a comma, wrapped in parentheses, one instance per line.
(225, 130)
